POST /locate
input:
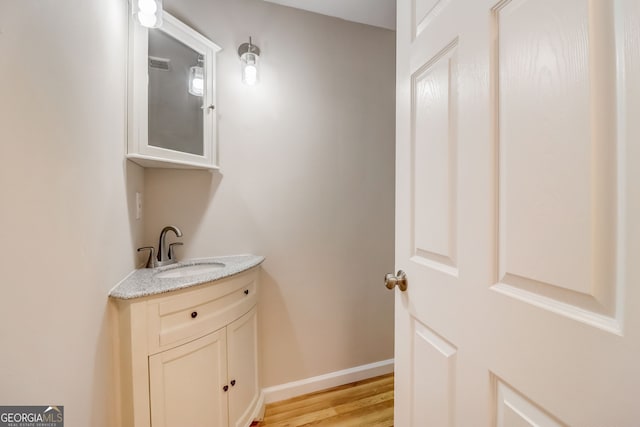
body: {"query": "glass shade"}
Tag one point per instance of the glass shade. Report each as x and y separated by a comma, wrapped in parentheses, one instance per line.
(148, 12)
(196, 81)
(249, 63)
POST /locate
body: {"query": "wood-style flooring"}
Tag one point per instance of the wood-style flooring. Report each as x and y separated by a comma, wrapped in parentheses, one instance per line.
(364, 403)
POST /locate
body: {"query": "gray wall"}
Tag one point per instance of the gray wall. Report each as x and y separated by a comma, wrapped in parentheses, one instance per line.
(307, 179)
(66, 202)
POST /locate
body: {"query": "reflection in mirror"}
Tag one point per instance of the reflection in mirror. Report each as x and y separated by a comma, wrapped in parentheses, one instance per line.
(175, 103)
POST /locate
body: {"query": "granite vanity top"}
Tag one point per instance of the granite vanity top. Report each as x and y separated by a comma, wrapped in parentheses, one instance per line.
(143, 282)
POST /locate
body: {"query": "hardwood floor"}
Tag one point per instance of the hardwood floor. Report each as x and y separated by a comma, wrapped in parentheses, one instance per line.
(364, 403)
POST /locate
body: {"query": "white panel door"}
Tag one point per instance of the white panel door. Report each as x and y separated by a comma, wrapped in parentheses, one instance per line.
(518, 213)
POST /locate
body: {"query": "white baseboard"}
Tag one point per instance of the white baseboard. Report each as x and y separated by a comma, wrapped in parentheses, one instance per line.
(322, 382)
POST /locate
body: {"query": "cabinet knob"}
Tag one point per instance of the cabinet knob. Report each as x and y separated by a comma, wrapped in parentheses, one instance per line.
(194, 314)
(233, 382)
(246, 291)
(225, 388)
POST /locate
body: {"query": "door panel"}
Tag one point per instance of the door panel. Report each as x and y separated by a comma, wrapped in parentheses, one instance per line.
(515, 410)
(434, 367)
(517, 171)
(557, 149)
(433, 89)
(423, 12)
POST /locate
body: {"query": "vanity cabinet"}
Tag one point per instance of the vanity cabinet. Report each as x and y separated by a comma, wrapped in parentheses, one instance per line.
(190, 357)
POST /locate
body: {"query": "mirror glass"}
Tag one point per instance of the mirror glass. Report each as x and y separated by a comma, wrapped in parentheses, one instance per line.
(176, 79)
(172, 116)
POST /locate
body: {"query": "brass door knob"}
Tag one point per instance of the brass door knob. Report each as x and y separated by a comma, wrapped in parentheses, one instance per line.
(399, 279)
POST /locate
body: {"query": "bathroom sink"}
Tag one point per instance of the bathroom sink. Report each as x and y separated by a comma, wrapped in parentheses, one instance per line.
(144, 282)
(189, 270)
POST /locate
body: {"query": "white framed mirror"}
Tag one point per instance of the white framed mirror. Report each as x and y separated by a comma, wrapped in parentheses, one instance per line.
(172, 96)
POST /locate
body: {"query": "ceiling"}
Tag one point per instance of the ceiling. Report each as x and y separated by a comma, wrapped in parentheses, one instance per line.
(379, 13)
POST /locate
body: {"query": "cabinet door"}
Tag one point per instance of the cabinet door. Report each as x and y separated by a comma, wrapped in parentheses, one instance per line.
(172, 117)
(243, 369)
(186, 384)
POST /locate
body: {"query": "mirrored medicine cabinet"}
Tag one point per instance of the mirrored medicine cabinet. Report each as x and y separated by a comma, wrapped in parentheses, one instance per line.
(171, 96)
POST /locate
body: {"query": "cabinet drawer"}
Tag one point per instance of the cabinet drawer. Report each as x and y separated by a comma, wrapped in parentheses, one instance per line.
(177, 319)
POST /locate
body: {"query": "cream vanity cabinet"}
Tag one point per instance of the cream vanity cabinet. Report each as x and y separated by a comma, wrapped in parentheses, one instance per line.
(190, 357)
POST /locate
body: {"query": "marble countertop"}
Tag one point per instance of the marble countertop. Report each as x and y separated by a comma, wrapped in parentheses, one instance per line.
(143, 282)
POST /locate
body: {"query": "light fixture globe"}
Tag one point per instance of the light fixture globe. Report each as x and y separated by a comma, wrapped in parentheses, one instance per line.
(196, 78)
(249, 57)
(148, 12)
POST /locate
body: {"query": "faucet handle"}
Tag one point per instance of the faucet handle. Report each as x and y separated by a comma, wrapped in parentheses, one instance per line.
(172, 254)
(150, 260)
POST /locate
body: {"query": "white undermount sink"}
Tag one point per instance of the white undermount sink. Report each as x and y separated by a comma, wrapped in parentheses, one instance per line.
(189, 270)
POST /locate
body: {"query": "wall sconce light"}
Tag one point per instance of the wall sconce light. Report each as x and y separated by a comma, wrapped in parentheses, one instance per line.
(249, 56)
(196, 78)
(149, 12)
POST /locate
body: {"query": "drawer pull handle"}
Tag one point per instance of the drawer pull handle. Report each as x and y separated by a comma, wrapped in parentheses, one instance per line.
(225, 388)
(246, 291)
(194, 314)
(233, 382)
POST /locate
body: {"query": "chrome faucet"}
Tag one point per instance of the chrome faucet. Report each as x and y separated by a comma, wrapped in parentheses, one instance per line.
(167, 256)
